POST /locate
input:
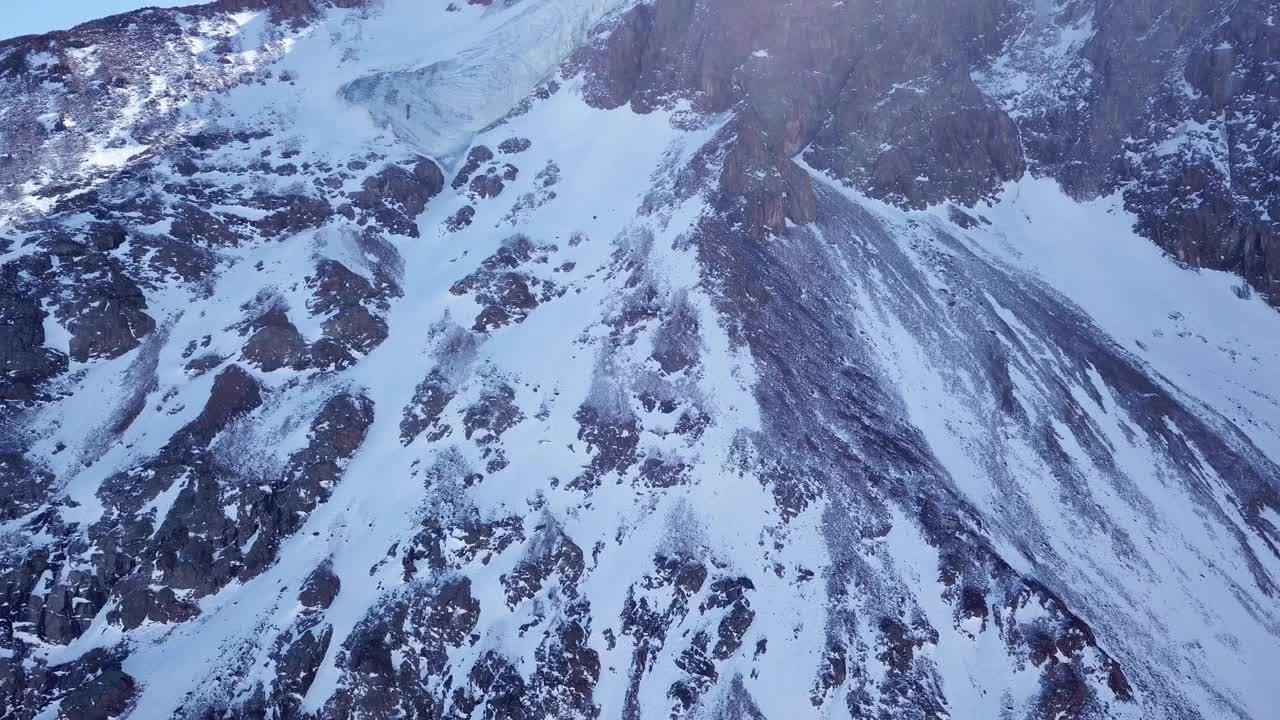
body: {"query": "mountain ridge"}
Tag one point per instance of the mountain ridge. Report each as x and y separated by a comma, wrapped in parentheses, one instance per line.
(760, 360)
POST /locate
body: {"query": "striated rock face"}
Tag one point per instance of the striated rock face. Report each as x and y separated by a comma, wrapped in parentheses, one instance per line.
(705, 359)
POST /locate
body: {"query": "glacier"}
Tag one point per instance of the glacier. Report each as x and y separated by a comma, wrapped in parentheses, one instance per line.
(439, 108)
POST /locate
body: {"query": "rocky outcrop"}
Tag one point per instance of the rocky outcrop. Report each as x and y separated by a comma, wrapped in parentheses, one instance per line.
(870, 92)
(25, 361)
(435, 619)
(394, 196)
(275, 342)
(24, 485)
(92, 687)
(86, 292)
(504, 288)
(351, 304)
(920, 142)
(1180, 117)
(1206, 159)
(308, 479)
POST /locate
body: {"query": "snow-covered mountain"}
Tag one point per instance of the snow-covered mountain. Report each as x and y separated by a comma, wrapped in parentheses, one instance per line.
(723, 359)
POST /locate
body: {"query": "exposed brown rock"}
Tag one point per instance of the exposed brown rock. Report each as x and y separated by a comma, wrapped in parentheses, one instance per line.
(394, 196)
(276, 343)
(320, 587)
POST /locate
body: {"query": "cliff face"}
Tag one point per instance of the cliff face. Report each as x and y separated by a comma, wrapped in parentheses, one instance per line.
(690, 358)
(1171, 104)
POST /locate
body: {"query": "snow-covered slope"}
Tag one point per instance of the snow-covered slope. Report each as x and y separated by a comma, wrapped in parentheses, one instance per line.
(511, 405)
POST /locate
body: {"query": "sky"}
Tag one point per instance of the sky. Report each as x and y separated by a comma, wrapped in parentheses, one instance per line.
(25, 17)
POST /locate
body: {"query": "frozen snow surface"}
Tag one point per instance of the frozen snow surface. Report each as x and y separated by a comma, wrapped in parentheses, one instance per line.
(583, 454)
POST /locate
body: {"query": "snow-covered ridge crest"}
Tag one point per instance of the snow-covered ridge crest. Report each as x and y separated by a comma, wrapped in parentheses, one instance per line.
(439, 107)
